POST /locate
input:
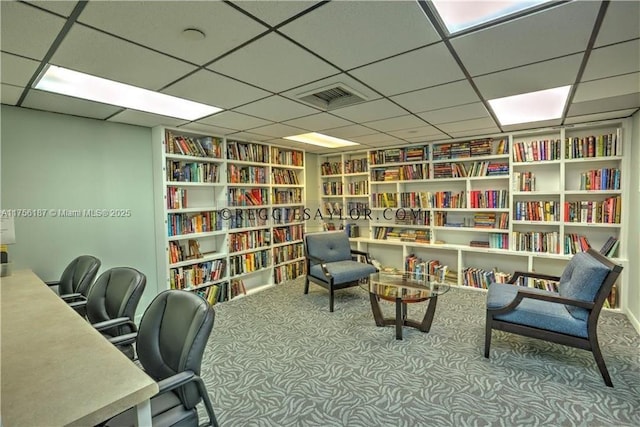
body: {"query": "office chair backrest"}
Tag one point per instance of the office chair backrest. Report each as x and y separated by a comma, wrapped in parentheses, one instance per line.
(172, 336)
(79, 275)
(116, 293)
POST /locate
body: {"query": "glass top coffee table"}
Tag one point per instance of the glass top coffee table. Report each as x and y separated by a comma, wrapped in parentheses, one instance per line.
(405, 288)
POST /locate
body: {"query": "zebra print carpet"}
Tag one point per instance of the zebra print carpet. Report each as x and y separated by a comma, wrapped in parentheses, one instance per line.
(279, 358)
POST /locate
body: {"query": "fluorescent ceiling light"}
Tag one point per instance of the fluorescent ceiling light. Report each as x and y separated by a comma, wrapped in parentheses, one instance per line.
(459, 15)
(315, 138)
(80, 85)
(529, 107)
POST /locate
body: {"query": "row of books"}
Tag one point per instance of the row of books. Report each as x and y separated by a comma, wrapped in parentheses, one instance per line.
(489, 199)
(358, 188)
(403, 217)
(419, 269)
(190, 146)
(332, 188)
(246, 263)
(481, 278)
(606, 145)
(532, 282)
(192, 276)
(475, 148)
(237, 174)
(524, 181)
(610, 247)
(287, 157)
(397, 155)
(176, 198)
(287, 215)
(537, 241)
(199, 222)
(247, 152)
(416, 199)
(284, 176)
(288, 234)
(179, 253)
(244, 218)
(475, 169)
(600, 179)
(246, 240)
(537, 210)
(178, 171)
(607, 211)
(356, 166)
(400, 173)
(290, 271)
(535, 151)
(352, 230)
(574, 243)
(247, 196)
(287, 253)
(286, 196)
(331, 168)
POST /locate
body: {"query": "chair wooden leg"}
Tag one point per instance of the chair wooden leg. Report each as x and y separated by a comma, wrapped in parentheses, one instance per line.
(487, 335)
(331, 298)
(597, 354)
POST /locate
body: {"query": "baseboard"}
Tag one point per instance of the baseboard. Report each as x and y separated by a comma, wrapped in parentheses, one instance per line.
(633, 320)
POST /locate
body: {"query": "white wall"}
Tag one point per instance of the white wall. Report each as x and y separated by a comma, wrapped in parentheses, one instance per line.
(54, 161)
(633, 287)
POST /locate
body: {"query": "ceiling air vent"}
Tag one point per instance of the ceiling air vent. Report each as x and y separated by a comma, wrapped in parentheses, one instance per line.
(330, 97)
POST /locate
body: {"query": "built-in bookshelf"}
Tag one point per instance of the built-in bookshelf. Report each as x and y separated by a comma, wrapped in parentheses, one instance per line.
(229, 213)
(491, 206)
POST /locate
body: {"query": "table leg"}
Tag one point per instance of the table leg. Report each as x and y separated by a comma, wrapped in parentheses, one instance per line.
(143, 414)
(400, 308)
(425, 326)
(375, 308)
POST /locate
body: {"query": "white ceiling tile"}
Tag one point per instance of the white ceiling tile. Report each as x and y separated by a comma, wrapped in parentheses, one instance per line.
(273, 63)
(601, 105)
(466, 125)
(233, 120)
(159, 25)
(613, 60)
(453, 114)
(207, 129)
(149, 120)
(16, 70)
(248, 136)
(55, 103)
(286, 144)
(604, 88)
(318, 122)
(63, 8)
(276, 108)
(600, 116)
(343, 80)
(422, 131)
(213, 89)
(27, 31)
(278, 130)
(350, 131)
(101, 55)
(530, 78)
(369, 111)
(378, 139)
(10, 95)
(396, 123)
(534, 125)
(435, 137)
(429, 66)
(438, 97)
(561, 30)
(475, 133)
(354, 33)
(274, 12)
(620, 22)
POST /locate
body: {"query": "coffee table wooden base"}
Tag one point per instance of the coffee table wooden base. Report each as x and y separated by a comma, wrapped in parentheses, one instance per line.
(401, 314)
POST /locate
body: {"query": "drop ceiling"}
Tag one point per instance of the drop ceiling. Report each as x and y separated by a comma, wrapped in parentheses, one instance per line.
(259, 58)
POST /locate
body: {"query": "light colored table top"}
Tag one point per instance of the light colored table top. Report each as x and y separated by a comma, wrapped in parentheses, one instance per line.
(55, 368)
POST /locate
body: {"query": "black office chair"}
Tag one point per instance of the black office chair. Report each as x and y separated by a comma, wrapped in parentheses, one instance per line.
(112, 302)
(76, 279)
(173, 333)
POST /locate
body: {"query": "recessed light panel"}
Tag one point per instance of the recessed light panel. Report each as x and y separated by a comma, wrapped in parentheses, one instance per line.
(459, 15)
(530, 107)
(315, 138)
(80, 85)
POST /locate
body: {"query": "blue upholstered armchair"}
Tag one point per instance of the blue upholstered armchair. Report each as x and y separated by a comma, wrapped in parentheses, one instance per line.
(332, 264)
(568, 317)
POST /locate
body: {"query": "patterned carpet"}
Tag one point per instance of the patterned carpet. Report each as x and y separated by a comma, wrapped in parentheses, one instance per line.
(279, 358)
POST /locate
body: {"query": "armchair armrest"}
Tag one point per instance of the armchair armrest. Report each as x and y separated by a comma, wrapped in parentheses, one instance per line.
(101, 326)
(532, 274)
(542, 296)
(125, 339)
(52, 283)
(177, 380)
(78, 304)
(323, 265)
(362, 253)
(72, 297)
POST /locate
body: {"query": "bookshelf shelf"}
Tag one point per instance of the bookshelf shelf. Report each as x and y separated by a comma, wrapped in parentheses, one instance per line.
(538, 175)
(242, 182)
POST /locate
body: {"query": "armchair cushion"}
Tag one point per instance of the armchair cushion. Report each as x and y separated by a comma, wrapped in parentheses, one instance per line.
(581, 280)
(538, 314)
(343, 271)
(329, 248)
